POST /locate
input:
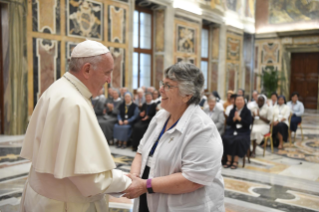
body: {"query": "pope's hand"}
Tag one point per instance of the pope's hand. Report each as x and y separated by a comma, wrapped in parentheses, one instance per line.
(136, 189)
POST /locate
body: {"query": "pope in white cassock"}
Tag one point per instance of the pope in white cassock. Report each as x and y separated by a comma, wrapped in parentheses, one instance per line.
(72, 167)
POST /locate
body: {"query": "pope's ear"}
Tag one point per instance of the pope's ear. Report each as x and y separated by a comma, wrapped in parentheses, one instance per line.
(86, 68)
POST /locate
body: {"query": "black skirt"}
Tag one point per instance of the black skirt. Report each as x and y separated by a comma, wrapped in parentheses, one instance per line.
(236, 145)
(138, 132)
(281, 128)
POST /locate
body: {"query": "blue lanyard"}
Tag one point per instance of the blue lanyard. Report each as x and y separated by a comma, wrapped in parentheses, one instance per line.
(159, 137)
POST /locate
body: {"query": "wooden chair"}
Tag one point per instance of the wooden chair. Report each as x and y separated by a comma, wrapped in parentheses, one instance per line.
(269, 136)
(300, 126)
(289, 131)
(248, 157)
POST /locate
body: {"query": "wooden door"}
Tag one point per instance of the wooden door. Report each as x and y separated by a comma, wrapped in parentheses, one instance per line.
(304, 78)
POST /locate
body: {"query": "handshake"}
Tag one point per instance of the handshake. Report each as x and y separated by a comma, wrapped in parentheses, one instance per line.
(136, 189)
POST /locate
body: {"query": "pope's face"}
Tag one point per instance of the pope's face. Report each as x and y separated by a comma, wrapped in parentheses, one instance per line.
(101, 74)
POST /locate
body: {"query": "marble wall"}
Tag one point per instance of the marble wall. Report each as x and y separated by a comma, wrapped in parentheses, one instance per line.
(187, 40)
(159, 50)
(55, 27)
(234, 48)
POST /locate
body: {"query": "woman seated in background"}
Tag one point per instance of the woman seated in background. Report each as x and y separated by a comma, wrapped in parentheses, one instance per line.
(237, 138)
(156, 97)
(297, 109)
(127, 116)
(262, 117)
(281, 114)
(148, 111)
(110, 117)
(273, 101)
(216, 114)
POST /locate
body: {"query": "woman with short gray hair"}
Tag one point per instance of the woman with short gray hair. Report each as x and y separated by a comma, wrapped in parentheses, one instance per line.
(179, 157)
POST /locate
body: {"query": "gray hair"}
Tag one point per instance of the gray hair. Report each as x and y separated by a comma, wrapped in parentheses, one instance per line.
(117, 90)
(148, 93)
(212, 98)
(77, 63)
(190, 80)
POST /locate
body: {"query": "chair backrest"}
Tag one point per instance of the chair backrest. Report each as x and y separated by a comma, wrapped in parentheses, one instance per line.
(289, 120)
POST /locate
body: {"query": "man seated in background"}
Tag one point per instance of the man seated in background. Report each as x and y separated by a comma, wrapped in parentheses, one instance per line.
(98, 103)
(139, 98)
(253, 102)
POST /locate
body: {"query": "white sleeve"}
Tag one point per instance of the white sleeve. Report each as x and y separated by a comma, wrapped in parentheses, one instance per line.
(106, 182)
(201, 158)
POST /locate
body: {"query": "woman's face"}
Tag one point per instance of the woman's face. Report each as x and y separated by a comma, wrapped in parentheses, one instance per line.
(281, 101)
(171, 99)
(155, 95)
(148, 98)
(128, 98)
(274, 98)
(211, 104)
(260, 102)
(240, 102)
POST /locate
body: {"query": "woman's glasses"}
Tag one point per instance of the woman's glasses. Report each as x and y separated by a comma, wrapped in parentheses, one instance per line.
(167, 86)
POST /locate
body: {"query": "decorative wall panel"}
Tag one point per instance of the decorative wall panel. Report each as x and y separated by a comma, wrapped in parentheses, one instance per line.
(85, 19)
(46, 16)
(119, 66)
(116, 24)
(46, 67)
(187, 36)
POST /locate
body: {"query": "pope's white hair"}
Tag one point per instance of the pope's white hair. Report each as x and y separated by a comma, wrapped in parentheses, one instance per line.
(76, 64)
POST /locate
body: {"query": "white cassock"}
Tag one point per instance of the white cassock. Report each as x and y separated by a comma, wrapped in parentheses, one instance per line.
(72, 167)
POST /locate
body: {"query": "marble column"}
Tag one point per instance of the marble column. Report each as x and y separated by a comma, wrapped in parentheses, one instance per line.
(169, 38)
(222, 61)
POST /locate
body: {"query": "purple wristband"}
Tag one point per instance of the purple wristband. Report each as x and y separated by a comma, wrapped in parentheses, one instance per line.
(149, 186)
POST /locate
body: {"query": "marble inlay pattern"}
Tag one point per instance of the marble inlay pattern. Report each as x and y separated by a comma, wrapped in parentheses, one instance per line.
(274, 183)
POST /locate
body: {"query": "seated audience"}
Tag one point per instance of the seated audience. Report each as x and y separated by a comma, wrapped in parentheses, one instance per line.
(110, 94)
(281, 113)
(110, 116)
(127, 116)
(253, 102)
(242, 93)
(156, 97)
(297, 108)
(273, 101)
(98, 103)
(216, 114)
(262, 118)
(228, 101)
(150, 89)
(203, 101)
(218, 99)
(237, 138)
(139, 99)
(147, 112)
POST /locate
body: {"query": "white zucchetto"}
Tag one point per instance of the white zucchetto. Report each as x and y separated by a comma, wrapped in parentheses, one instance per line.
(89, 48)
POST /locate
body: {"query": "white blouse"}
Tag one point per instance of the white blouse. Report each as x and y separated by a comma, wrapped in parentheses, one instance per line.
(280, 112)
(194, 148)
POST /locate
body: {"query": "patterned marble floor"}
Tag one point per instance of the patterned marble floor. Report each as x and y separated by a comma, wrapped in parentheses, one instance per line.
(286, 180)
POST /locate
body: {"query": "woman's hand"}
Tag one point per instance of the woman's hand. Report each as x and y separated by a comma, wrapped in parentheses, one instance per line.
(142, 114)
(120, 122)
(126, 122)
(136, 189)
